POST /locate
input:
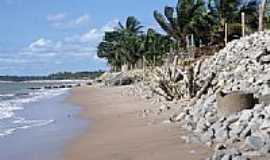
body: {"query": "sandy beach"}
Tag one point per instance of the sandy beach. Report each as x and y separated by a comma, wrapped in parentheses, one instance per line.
(117, 132)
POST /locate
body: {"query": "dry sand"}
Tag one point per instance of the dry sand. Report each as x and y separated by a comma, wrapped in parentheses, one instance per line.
(116, 131)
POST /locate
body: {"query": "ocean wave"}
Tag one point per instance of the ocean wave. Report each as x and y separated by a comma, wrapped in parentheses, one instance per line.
(10, 122)
(7, 95)
(24, 124)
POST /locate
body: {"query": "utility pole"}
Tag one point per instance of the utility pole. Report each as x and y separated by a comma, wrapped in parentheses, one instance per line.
(262, 8)
(143, 69)
(187, 42)
(243, 24)
(193, 46)
(154, 61)
(226, 33)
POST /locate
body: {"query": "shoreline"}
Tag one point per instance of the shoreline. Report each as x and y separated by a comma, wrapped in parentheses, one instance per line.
(117, 131)
(49, 139)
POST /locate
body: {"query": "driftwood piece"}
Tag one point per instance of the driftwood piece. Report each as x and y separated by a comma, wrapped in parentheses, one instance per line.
(175, 62)
(206, 85)
(154, 90)
(197, 68)
(190, 82)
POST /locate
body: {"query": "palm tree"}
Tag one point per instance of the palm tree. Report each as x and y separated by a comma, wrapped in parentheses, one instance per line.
(130, 43)
(155, 46)
(132, 25)
(109, 49)
(186, 18)
(122, 46)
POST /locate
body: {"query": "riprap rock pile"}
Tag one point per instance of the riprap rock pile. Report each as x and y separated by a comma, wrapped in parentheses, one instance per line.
(243, 65)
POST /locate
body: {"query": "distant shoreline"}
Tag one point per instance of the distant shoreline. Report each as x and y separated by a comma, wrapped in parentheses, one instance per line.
(50, 81)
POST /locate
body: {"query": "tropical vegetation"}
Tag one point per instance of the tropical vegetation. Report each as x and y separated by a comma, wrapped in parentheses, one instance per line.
(55, 76)
(194, 23)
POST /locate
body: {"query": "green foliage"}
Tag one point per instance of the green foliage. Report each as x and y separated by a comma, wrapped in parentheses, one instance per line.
(128, 44)
(156, 46)
(229, 11)
(205, 20)
(188, 17)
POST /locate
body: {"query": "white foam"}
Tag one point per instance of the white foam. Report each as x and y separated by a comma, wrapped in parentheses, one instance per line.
(9, 107)
(35, 123)
(7, 95)
(7, 132)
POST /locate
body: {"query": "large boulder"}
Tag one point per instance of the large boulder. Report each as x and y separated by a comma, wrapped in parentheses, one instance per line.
(265, 99)
(120, 78)
(234, 102)
(123, 80)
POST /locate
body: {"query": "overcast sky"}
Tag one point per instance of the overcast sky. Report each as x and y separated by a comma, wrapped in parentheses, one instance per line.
(38, 37)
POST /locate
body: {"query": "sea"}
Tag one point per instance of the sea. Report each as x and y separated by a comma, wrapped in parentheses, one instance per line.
(36, 123)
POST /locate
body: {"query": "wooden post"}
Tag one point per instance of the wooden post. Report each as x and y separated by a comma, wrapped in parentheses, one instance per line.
(121, 73)
(154, 61)
(187, 42)
(243, 24)
(262, 7)
(143, 68)
(192, 41)
(175, 62)
(193, 46)
(226, 33)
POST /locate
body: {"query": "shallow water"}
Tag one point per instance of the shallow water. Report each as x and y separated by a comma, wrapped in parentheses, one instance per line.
(40, 129)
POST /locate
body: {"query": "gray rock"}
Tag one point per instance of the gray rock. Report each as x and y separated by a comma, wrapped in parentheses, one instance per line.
(120, 79)
(221, 134)
(178, 117)
(164, 108)
(265, 149)
(233, 118)
(265, 59)
(226, 157)
(193, 139)
(252, 154)
(254, 142)
(218, 155)
(201, 126)
(216, 126)
(212, 119)
(265, 125)
(234, 152)
(208, 136)
(240, 158)
(246, 115)
(246, 132)
(236, 130)
(254, 125)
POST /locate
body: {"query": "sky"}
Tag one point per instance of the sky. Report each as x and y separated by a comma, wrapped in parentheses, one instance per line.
(39, 37)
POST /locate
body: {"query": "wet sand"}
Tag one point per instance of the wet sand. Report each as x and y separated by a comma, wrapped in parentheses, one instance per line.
(116, 132)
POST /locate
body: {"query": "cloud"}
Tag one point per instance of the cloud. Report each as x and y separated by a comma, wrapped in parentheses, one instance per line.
(44, 55)
(80, 20)
(110, 26)
(83, 45)
(56, 17)
(61, 21)
(12, 60)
